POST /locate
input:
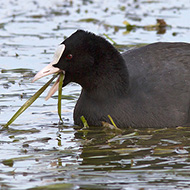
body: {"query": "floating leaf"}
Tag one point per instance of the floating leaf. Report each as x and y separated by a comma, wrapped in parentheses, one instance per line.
(159, 151)
(126, 23)
(92, 20)
(130, 150)
(8, 162)
(110, 128)
(54, 187)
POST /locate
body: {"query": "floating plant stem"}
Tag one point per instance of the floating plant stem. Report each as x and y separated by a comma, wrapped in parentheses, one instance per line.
(29, 102)
(110, 39)
(113, 123)
(60, 94)
(85, 124)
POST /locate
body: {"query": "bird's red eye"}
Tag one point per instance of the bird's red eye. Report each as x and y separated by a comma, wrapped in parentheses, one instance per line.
(69, 56)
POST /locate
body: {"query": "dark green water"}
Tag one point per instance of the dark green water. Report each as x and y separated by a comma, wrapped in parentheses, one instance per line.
(37, 151)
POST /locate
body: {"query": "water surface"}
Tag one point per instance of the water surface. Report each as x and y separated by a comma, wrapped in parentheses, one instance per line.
(36, 150)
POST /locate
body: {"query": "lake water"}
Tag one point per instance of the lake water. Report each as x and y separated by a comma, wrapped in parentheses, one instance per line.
(36, 150)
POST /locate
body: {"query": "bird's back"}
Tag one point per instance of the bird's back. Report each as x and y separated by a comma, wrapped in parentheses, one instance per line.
(159, 78)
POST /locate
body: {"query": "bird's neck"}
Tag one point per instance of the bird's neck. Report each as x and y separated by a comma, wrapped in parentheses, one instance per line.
(108, 75)
(111, 80)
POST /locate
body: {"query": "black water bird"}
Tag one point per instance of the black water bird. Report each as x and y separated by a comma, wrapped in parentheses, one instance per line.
(144, 87)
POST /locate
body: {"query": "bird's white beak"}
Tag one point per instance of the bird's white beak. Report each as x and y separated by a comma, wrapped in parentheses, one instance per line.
(50, 69)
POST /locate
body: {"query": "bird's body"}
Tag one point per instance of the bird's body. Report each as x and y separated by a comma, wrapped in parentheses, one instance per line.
(158, 94)
(143, 87)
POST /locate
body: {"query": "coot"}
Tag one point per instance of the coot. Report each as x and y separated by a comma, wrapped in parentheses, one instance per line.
(143, 87)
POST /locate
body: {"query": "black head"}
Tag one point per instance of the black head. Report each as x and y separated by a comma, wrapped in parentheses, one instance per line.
(90, 61)
(87, 59)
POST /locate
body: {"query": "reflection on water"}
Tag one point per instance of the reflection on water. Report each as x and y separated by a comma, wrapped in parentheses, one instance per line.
(36, 150)
(96, 158)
